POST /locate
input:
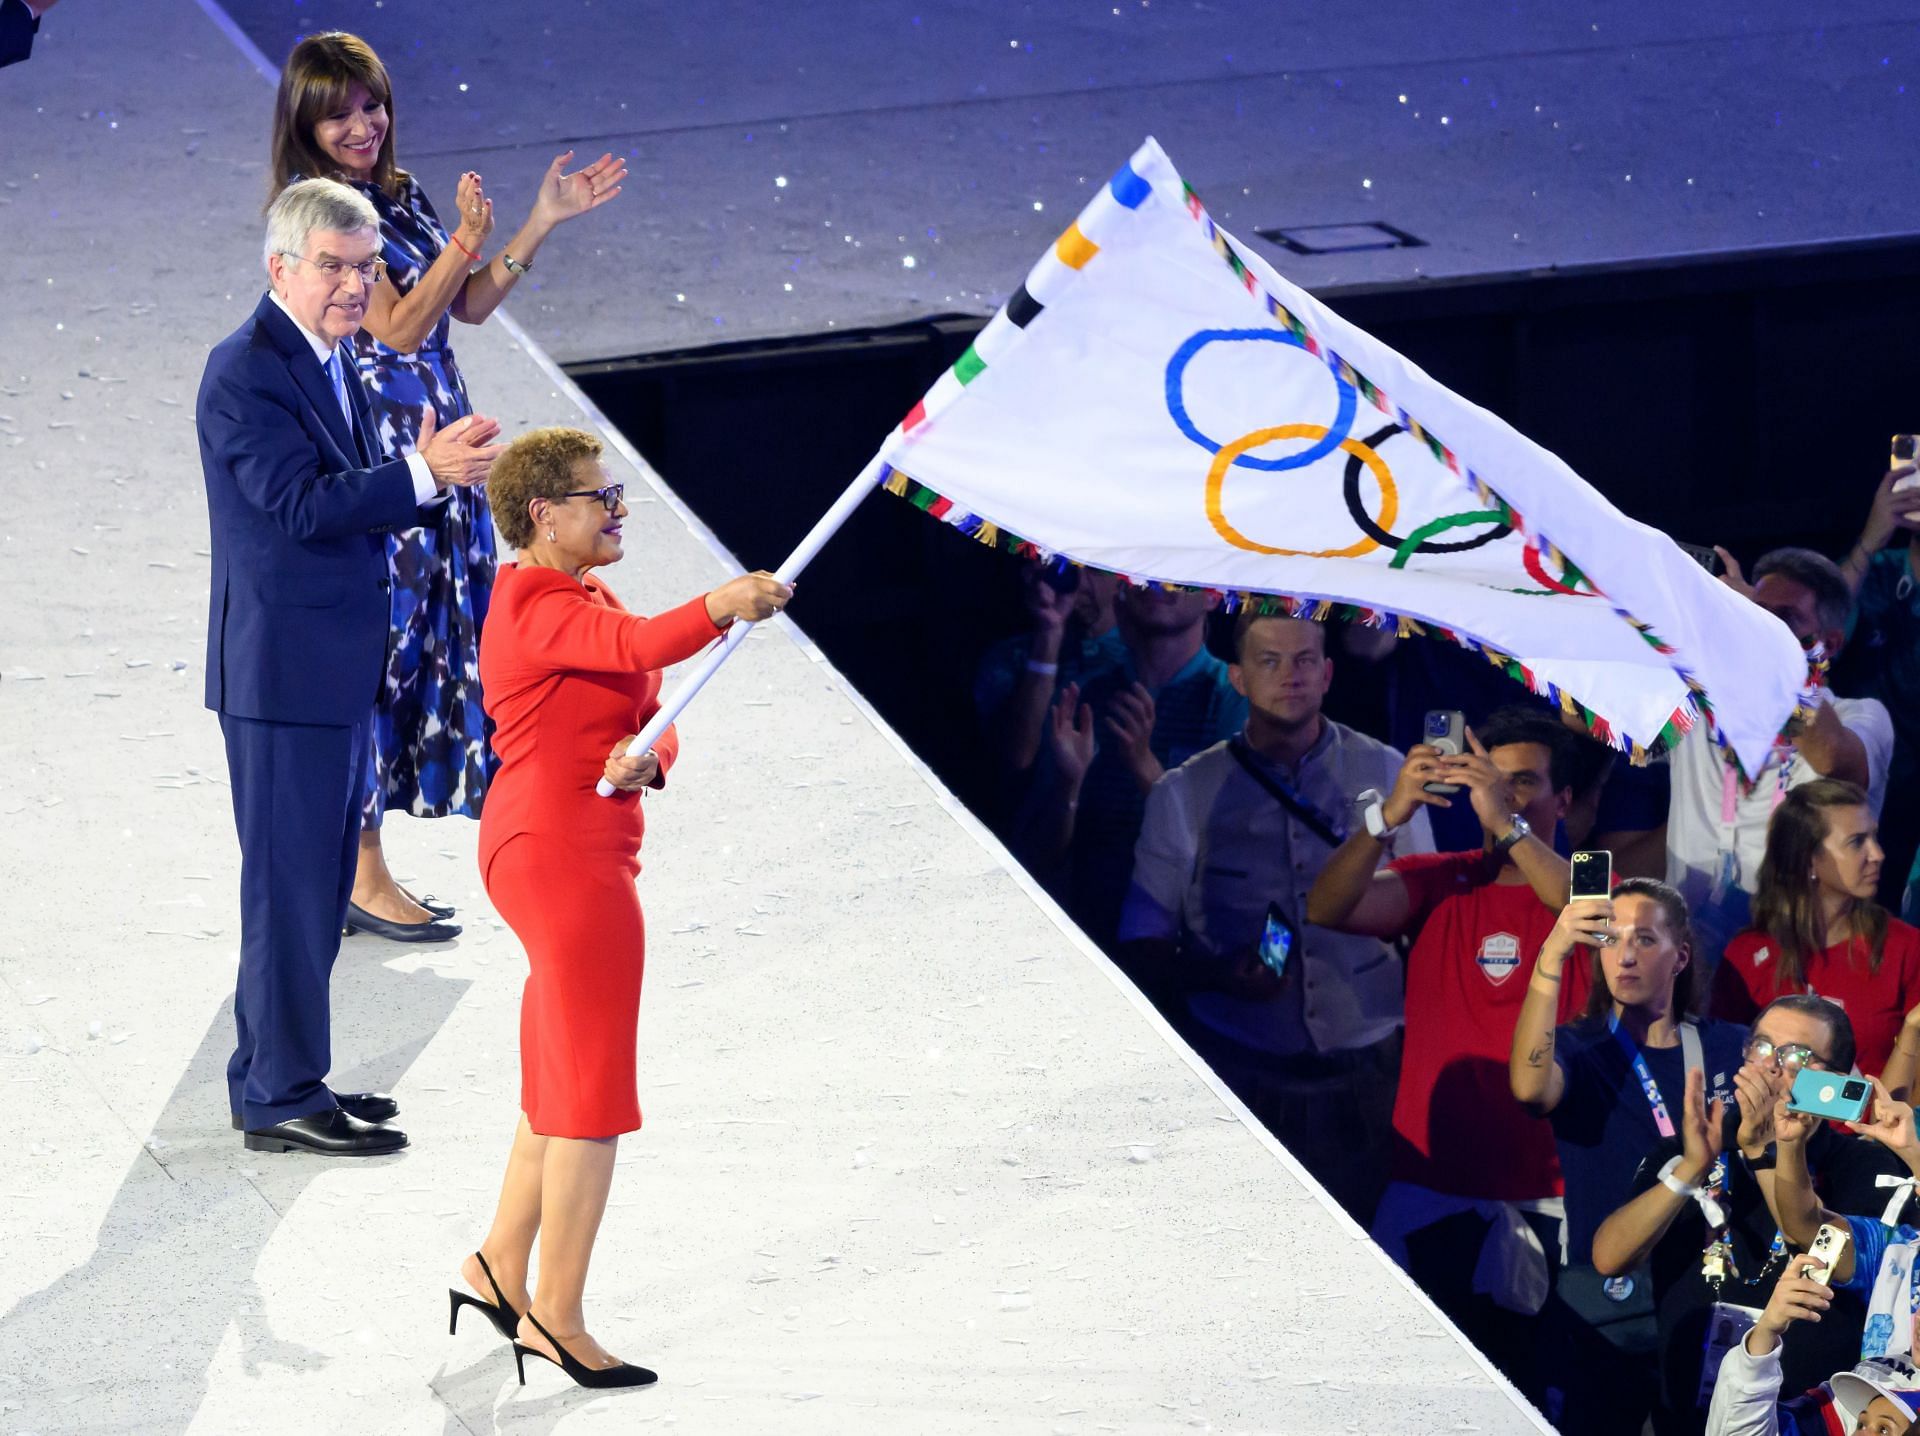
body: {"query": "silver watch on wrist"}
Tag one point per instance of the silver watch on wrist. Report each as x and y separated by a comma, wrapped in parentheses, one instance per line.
(1518, 833)
(514, 266)
(1374, 813)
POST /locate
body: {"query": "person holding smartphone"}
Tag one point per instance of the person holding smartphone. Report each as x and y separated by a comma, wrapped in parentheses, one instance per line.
(1611, 1084)
(1303, 1023)
(1474, 1185)
(1879, 1258)
(1700, 1225)
(1868, 1400)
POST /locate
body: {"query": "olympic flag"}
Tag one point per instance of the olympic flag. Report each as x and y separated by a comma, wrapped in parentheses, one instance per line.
(1156, 401)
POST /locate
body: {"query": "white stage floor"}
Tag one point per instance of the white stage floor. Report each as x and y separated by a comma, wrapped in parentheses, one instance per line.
(915, 1160)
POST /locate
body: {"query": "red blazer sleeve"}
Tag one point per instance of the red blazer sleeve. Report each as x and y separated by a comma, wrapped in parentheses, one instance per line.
(667, 749)
(564, 631)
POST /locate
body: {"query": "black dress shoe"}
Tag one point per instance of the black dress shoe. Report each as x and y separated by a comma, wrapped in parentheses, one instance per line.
(431, 903)
(367, 1106)
(331, 1133)
(360, 920)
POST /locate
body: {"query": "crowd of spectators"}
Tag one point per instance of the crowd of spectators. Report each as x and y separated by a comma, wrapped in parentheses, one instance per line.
(1567, 1118)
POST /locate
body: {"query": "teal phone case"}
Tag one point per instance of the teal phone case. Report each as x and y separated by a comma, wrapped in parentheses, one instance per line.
(1831, 1094)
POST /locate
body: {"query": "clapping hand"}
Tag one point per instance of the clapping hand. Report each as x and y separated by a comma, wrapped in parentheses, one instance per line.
(1130, 720)
(1070, 734)
(476, 212)
(566, 196)
(1757, 1093)
(1701, 1129)
(630, 775)
(462, 453)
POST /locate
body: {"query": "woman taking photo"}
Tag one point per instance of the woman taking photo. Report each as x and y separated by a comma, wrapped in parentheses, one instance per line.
(571, 677)
(1817, 928)
(335, 119)
(1612, 1084)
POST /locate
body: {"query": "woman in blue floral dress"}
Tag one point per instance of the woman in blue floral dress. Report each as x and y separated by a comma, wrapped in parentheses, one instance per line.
(431, 757)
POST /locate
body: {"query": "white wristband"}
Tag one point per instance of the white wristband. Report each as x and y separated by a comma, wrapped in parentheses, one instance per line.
(1710, 1208)
(1047, 669)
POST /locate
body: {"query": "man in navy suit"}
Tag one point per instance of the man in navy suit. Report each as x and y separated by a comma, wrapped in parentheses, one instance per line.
(19, 23)
(299, 498)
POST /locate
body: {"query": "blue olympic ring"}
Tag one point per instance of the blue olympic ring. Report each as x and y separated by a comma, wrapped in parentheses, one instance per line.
(1337, 432)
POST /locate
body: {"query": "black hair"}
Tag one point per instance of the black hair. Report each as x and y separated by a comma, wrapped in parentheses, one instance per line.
(1516, 724)
(1831, 1013)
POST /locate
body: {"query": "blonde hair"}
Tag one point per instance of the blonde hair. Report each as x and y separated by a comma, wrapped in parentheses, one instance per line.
(537, 465)
(319, 75)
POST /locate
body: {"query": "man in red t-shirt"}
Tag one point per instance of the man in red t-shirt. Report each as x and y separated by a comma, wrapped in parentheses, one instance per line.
(1471, 1169)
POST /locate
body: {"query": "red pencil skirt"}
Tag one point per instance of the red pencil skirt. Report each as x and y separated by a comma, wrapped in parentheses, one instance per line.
(578, 917)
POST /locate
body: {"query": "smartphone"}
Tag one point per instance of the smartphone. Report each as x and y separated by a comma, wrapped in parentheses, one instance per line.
(1705, 557)
(1446, 730)
(1905, 452)
(1830, 1094)
(1828, 1243)
(1592, 874)
(1277, 940)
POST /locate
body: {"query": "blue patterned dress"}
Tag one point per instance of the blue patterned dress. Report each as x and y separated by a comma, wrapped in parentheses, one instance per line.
(431, 755)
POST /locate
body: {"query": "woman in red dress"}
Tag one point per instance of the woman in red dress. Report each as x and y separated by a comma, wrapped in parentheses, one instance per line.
(1818, 929)
(570, 677)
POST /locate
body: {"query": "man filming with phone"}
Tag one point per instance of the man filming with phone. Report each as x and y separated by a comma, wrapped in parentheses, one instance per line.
(1302, 1023)
(1473, 1205)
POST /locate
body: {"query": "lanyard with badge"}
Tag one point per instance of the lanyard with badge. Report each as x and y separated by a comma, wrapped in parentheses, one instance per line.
(1620, 1288)
(1727, 872)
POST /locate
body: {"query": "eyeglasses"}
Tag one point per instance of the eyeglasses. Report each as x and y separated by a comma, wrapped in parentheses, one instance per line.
(610, 496)
(1793, 1056)
(335, 270)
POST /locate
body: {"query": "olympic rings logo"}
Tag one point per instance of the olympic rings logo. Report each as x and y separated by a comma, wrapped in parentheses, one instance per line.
(1363, 457)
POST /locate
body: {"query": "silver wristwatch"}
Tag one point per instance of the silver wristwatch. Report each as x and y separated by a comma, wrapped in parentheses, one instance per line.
(1374, 814)
(514, 266)
(1519, 832)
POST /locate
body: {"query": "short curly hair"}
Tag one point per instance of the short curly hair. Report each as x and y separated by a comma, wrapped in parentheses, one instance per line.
(537, 465)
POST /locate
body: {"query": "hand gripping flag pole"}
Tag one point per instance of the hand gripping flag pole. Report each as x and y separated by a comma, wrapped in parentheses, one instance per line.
(816, 539)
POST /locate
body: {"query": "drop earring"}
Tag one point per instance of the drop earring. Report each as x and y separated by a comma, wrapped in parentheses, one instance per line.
(550, 538)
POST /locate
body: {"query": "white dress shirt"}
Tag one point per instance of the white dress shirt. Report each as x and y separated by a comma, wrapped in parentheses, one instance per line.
(425, 489)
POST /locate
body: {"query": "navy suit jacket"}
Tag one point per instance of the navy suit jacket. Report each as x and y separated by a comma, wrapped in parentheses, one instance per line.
(17, 29)
(297, 628)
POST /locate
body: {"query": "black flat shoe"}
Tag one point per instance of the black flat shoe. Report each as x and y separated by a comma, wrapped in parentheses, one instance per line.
(332, 1133)
(605, 1378)
(431, 903)
(360, 920)
(505, 1319)
(367, 1106)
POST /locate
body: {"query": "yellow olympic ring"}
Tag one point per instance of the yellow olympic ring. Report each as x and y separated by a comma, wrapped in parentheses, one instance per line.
(1223, 460)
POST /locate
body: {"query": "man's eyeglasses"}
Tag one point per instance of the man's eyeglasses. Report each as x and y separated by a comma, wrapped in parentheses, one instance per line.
(609, 497)
(1793, 1056)
(335, 270)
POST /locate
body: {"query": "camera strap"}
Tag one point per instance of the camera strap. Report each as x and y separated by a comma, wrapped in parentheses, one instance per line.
(1284, 795)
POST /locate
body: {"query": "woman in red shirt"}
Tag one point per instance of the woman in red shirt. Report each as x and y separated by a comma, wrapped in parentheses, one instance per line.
(1817, 927)
(570, 677)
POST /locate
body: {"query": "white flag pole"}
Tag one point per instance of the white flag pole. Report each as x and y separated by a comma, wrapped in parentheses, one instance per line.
(736, 634)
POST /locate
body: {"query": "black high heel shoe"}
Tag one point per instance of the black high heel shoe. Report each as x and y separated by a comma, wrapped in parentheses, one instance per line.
(611, 1376)
(505, 1319)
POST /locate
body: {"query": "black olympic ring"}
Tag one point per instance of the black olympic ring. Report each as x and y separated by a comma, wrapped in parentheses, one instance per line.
(1379, 535)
